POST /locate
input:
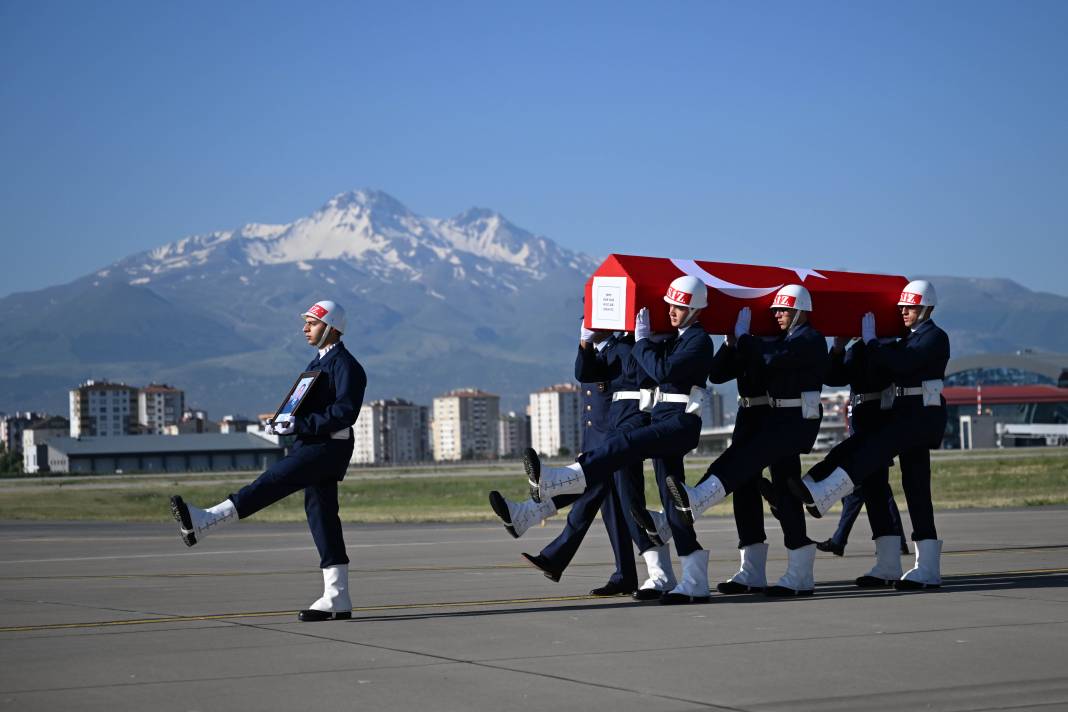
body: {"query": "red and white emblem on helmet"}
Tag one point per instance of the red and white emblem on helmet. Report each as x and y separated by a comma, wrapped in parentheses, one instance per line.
(678, 297)
(317, 311)
(909, 298)
(784, 300)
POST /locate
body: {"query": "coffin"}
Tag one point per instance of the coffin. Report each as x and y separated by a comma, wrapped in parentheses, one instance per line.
(623, 284)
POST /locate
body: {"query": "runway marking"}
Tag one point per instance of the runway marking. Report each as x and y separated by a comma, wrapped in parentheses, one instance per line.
(947, 583)
(402, 569)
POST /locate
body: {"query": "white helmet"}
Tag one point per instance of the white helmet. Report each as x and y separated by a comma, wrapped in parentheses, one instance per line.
(793, 296)
(687, 291)
(328, 312)
(917, 293)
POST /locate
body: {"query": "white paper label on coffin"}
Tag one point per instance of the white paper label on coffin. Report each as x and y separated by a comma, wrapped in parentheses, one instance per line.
(610, 303)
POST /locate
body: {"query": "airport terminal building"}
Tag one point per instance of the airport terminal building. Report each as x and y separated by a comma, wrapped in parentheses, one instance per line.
(200, 452)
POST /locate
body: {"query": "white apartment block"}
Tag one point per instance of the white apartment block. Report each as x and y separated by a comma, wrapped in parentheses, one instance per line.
(102, 409)
(465, 424)
(159, 406)
(12, 426)
(389, 432)
(35, 439)
(513, 434)
(556, 420)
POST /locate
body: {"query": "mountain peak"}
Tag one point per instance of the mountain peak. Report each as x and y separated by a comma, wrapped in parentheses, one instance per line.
(368, 198)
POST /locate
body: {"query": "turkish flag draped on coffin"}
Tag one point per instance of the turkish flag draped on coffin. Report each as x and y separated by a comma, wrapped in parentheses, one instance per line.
(623, 284)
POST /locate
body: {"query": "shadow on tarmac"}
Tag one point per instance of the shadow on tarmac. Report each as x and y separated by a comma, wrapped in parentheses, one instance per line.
(970, 583)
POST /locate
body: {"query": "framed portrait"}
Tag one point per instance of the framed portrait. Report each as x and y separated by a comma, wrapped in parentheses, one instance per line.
(296, 395)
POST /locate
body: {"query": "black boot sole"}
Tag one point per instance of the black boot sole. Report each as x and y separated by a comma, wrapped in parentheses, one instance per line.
(647, 594)
(641, 517)
(180, 512)
(500, 508)
(874, 582)
(551, 574)
(799, 490)
(784, 592)
(906, 585)
(730, 588)
(679, 497)
(532, 466)
(311, 615)
(681, 599)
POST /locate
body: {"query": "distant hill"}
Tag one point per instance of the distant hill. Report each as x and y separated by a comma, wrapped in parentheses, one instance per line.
(433, 304)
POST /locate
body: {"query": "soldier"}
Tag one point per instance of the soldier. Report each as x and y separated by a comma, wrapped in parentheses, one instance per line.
(871, 396)
(679, 367)
(317, 461)
(793, 366)
(609, 378)
(917, 364)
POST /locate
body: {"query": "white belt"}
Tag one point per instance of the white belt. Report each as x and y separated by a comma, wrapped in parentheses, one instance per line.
(809, 403)
(930, 390)
(859, 398)
(341, 434)
(650, 398)
(909, 391)
(784, 402)
(747, 402)
(626, 395)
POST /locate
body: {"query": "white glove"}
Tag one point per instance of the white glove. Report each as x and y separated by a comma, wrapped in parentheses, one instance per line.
(269, 428)
(867, 327)
(741, 327)
(285, 428)
(584, 333)
(642, 330)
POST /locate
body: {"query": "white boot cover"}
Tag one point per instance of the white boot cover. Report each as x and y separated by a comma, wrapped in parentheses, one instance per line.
(556, 481)
(335, 597)
(928, 569)
(827, 492)
(799, 563)
(705, 495)
(528, 513)
(694, 575)
(753, 572)
(663, 527)
(887, 559)
(209, 520)
(658, 563)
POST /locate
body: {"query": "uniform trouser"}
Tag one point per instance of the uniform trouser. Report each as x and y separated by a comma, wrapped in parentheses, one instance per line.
(888, 525)
(875, 495)
(608, 495)
(911, 433)
(747, 503)
(782, 437)
(665, 440)
(316, 468)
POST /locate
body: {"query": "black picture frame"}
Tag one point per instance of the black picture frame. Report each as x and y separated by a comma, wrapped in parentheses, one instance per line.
(295, 396)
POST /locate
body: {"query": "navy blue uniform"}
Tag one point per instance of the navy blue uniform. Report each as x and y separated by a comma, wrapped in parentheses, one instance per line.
(676, 365)
(855, 369)
(601, 373)
(914, 429)
(791, 364)
(317, 461)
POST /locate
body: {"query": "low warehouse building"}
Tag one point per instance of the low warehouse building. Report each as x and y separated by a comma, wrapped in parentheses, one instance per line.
(200, 452)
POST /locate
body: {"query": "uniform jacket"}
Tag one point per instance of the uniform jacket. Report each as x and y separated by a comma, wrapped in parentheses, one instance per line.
(920, 356)
(336, 397)
(793, 363)
(728, 364)
(676, 365)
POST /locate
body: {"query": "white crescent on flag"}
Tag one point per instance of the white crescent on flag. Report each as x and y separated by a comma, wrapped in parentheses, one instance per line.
(739, 291)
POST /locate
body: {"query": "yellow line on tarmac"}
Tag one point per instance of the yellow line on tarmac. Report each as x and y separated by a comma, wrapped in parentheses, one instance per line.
(267, 614)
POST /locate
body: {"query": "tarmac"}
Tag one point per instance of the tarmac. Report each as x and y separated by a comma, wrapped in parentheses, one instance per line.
(102, 616)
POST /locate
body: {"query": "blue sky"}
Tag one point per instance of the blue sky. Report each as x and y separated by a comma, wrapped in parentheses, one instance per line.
(906, 137)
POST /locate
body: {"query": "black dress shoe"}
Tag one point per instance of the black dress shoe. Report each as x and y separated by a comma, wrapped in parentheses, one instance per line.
(733, 587)
(545, 566)
(647, 594)
(643, 519)
(831, 546)
(767, 491)
(681, 599)
(500, 508)
(680, 498)
(613, 589)
(784, 592)
(532, 466)
(907, 585)
(874, 582)
(310, 615)
(180, 512)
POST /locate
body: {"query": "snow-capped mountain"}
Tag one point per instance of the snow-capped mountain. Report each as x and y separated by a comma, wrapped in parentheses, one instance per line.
(433, 303)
